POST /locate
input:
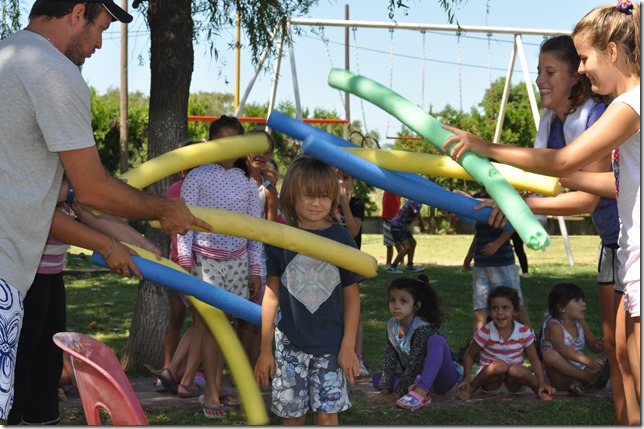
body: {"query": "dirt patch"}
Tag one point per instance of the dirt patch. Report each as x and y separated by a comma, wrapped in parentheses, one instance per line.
(149, 398)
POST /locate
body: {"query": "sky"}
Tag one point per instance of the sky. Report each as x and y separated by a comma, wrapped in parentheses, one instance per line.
(431, 69)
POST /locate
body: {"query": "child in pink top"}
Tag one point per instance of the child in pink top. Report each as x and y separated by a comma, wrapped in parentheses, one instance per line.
(231, 263)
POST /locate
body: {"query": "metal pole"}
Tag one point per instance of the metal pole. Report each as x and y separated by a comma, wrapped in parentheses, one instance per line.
(564, 234)
(296, 87)
(506, 93)
(276, 76)
(528, 83)
(412, 26)
(237, 62)
(347, 109)
(123, 105)
(258, 69)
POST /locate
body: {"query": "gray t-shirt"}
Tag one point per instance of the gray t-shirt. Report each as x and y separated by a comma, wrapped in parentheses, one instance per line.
(45, 109)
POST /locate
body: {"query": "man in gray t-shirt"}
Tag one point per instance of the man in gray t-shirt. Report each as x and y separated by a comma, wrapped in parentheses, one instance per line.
(45, 132)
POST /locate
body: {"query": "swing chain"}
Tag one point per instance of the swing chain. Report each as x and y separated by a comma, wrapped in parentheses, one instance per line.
(460, 77)
(391, 71)
(422, 86)
(355, 44)
(325, 39)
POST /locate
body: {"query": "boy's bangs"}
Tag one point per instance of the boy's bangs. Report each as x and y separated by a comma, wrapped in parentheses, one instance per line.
(319, 184)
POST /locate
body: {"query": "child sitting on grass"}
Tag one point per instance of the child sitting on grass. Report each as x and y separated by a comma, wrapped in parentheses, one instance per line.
(564, 335)
(413, 341)
(503, 344)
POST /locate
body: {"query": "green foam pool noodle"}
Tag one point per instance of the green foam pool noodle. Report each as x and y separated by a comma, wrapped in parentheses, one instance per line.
(509, 201)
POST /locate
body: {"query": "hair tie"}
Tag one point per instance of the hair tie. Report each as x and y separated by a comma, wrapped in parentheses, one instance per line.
(624, 6)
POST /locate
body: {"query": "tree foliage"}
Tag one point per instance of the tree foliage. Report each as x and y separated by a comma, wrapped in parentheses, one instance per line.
(105, 122)
(10, 17)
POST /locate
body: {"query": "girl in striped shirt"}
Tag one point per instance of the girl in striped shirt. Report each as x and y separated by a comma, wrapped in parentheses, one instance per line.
(503, 344)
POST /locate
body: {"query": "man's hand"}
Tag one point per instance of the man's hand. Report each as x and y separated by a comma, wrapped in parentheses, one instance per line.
(178, 219)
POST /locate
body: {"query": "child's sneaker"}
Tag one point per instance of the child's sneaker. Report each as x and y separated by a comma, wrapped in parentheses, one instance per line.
(394, 270)
(413, 269)
(413, 401)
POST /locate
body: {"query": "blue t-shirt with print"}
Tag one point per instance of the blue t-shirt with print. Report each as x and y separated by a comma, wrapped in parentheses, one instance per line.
(311, 310)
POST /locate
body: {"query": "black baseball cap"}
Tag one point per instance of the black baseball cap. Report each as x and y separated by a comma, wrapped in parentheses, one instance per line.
(117, 13)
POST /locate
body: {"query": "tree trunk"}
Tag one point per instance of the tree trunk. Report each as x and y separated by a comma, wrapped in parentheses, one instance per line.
(432, 223)
(171, 65)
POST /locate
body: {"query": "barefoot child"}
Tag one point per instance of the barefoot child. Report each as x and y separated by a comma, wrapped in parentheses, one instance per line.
(564, 336)
(503, 344)
(311, 307)
(414, 342)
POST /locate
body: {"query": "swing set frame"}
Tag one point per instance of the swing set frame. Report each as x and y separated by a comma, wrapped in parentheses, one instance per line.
(517, 50)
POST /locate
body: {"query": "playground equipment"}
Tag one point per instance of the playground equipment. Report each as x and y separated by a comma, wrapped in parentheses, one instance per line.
(462, 32)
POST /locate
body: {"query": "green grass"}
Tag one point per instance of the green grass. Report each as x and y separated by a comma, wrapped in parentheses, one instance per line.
(109, 301)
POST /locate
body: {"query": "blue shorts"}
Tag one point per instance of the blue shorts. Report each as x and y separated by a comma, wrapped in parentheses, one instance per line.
(11, 314)
(400, 233)
(486, 278)
(304, 382)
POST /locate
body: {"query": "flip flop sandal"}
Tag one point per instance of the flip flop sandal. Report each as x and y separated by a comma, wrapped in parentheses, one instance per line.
(576, 389)
(219, 407)
(170, 383)
(413, 401)
(192, 392)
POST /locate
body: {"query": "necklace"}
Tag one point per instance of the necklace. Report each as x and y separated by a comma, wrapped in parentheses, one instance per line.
(40, 34)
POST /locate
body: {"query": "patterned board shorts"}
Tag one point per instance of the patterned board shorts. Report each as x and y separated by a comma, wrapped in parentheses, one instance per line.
(304, 381)
(11, 315)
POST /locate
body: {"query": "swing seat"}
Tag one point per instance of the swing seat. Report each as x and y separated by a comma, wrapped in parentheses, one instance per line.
(101, 381)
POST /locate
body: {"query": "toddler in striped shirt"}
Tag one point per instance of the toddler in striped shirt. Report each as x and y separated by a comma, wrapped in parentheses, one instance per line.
(503, 344)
